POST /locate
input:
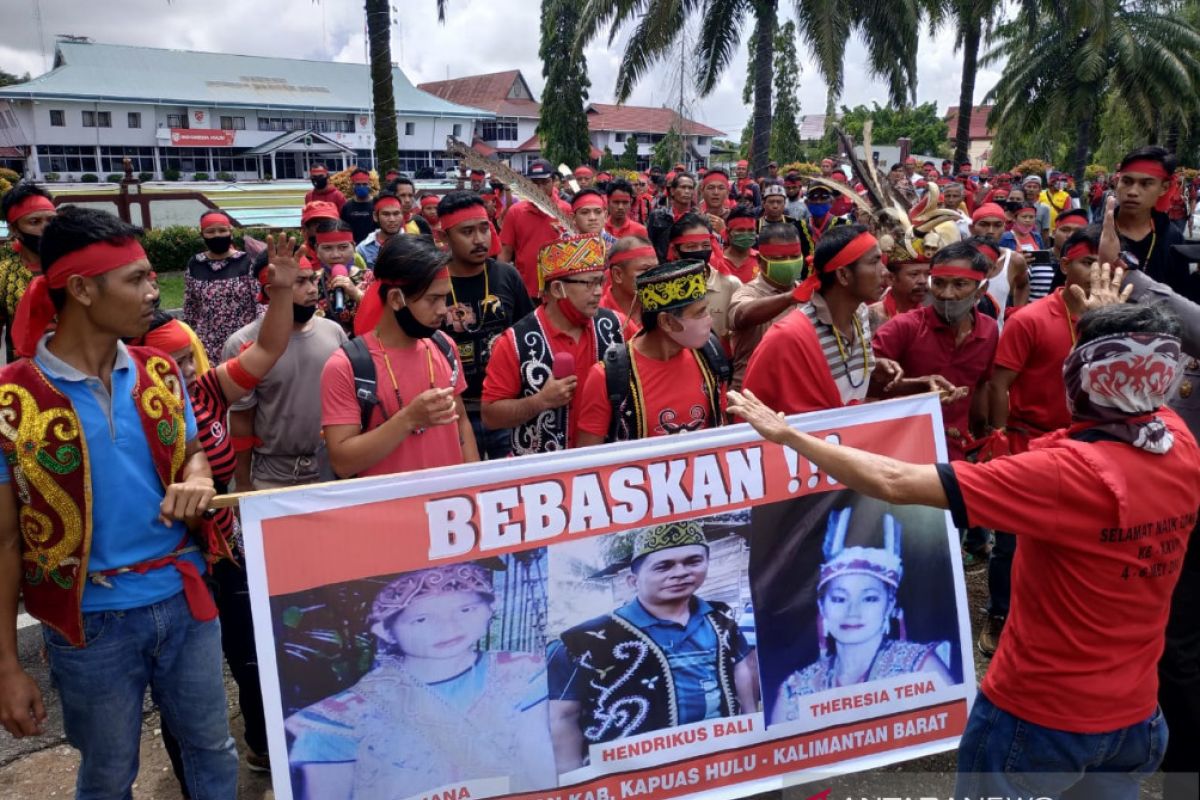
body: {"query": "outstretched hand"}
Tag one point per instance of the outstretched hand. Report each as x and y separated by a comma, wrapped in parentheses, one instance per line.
(283, 260)
(1104, 290)
(769, 424)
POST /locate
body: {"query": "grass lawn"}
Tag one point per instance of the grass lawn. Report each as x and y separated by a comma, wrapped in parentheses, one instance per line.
(170, 290)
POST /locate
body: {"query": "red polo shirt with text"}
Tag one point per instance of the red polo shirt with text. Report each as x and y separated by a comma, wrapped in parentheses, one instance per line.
(503, 378)
(1103, 528)
(924, 344)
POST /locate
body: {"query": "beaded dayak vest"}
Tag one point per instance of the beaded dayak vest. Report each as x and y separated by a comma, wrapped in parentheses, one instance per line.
(46, 450)
(547, 432)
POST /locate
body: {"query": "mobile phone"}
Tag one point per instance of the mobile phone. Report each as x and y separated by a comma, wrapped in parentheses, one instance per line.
(1039, 257)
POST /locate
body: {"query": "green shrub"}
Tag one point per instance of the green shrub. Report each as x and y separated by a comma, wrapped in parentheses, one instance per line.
(145, 176)
(170, 248)
(228, 177)
(171, 175)
(89, 177)
(9, 175)
(200, 176)
(51, 177)
(114, 177)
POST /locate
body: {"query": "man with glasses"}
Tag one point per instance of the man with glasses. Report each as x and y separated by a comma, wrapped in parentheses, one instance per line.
(538, 365)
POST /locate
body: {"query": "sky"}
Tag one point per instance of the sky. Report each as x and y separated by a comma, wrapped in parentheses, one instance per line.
(479, 36)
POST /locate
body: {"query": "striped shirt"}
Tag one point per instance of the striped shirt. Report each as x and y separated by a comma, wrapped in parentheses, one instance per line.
(211, 408)
(851, 361)
(1041, 277)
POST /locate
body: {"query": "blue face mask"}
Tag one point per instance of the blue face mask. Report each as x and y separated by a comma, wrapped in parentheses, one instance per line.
(819, 209)
(362, 192)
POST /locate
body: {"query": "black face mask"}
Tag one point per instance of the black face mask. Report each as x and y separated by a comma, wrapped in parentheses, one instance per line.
(218, 244)
(320, 183)
(411, 326)
(697, 255)
(29, 241)
(302, 314)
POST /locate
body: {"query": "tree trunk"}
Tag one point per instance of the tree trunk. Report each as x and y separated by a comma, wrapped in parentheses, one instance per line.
(379, 37)
(764, 59)
(1083, 140)
(1171, 142)
(966, 95)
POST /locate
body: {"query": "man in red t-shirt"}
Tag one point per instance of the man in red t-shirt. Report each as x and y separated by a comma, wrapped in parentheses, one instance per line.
(1104, 510)
(620, 201)
(671, 377)
(538, 366)
(949, 338)
(527, 229)
(322, 191)
(714, 199)
(740, 258)
(910, 287)
(419, 420)
(629, 258)
(1027, 399)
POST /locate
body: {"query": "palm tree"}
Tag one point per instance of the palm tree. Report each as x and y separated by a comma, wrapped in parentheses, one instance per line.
(888, 28)
(1087, 50)
(379, 43)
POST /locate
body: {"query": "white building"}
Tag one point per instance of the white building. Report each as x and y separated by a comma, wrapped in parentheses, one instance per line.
(178, 111)
(512, 133)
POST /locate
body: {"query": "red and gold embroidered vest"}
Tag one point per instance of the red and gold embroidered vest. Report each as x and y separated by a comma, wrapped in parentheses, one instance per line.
(46, 451)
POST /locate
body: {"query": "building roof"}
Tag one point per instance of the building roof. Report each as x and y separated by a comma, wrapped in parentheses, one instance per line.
(979, 126)
(641, 119)
(88, 71)
(505, 94)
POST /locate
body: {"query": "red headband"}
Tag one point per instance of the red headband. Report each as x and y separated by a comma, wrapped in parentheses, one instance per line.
(36, 311)
(316, 172)
(691, 238)
(429, 200)
(858, 247)
(632, 253)
(333, 237)
(1075, 213)
(169, 337)
(986, 249)
(214, 218)
(988, 211)
(1079, 250)
(1147, 166)
(587, 201)
(583, 172)
(360, 178)
(472, 213)
(386, 202)
(620, 194)
(714, 177)
(740, 224)
(780, 250)
(32, 203)
(370, 308)
(947, 271)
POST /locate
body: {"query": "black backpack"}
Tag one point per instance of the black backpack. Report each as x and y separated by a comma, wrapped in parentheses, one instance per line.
(364, 371)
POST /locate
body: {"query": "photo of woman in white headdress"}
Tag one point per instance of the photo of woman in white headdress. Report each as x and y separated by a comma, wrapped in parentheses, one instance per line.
(436, 708)
(861, 630)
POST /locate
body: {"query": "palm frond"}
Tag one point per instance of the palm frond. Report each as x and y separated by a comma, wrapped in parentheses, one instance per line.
(720, 31)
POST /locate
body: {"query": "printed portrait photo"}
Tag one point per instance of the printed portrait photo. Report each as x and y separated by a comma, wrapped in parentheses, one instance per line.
(649, 629)
(396, 685)
(847, 591)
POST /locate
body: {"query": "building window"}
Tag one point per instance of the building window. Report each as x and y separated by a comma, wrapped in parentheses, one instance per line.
(286, 124)
(701, 140)
(233, 123)
(410, 128)
(58, 118)
(89, 119)
(112, 158)
(620, 138)
(457, 131)
(134, 119)
(67, 159)
(499, 130)
(7, 118)
(176, 120)
(103, 119)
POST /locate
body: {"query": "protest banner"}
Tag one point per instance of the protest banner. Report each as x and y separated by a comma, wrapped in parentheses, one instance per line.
(699, 615)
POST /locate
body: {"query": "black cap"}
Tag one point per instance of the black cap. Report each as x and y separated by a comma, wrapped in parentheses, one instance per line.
(539, 169)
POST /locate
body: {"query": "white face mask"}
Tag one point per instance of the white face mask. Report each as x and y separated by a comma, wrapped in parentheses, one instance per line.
(954, 310)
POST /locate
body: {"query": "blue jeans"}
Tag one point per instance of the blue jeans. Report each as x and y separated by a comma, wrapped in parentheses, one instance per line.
(1003, 755)
(102, 685)
(492, 445)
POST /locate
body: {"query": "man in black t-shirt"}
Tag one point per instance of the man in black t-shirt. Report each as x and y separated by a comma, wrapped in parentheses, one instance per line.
(1147, 236)
(357, 213)
(486, 297)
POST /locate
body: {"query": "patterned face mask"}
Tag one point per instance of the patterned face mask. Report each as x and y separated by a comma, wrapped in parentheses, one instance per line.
(1116, 383)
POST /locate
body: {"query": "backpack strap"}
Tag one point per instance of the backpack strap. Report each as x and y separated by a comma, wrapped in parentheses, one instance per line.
(446, 346)
(617, 374)
(364, 377)
(719, 369)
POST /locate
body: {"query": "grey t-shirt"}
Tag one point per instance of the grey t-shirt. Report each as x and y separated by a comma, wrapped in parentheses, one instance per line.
(288, 402)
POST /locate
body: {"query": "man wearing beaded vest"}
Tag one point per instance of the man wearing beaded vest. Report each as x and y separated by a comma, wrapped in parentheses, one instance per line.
(524, 389)
(666, 658)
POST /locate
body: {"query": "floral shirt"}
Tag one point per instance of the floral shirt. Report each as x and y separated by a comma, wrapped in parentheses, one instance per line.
(220, 297)
(14, 280)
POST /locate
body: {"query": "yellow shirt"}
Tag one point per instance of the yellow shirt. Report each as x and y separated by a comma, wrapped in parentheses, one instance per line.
(1057, 201)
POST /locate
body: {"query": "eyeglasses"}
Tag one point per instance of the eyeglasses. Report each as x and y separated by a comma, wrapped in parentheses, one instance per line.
(591, 283)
